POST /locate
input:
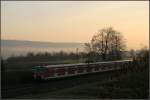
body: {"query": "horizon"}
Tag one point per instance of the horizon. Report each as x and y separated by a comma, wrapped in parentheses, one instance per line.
(74, 21)
(39, 41)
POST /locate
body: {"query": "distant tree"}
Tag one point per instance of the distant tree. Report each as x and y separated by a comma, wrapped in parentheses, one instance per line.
(88, 47)
(132, 53)
(108, 43)
(143, 54)
(88, 50)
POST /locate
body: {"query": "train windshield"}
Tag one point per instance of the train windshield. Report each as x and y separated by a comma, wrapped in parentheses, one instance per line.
(39, 69)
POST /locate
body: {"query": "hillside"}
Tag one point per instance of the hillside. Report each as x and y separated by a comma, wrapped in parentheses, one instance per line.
(19, 47)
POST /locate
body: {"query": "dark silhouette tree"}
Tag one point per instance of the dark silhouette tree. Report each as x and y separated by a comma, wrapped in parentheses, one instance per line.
(107, 43)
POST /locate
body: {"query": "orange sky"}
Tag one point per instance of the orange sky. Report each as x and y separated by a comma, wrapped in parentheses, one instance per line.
(74, 21)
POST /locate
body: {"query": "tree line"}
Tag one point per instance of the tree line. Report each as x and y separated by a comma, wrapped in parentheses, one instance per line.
(48, 56)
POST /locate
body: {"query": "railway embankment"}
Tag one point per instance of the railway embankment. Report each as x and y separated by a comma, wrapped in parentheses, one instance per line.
(132, 83)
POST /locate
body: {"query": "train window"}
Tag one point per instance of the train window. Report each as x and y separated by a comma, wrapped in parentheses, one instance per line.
(103, 67)
(71, 70)
(39, 69)
(89, 69)
(80, 69)
(96, 68)
(51, 71)
(60, 71)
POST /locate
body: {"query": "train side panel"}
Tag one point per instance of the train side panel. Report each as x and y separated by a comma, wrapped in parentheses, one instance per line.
(72, 70)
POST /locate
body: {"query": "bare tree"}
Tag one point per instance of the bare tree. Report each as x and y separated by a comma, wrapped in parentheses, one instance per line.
(108, 43)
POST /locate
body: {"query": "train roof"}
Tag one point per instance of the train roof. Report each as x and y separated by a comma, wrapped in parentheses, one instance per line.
(62, 65)
(78, 64)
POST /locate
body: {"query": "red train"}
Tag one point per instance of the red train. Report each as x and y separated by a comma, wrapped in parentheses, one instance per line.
(66, 70)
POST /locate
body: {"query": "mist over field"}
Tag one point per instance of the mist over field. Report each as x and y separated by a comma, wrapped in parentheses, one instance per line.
(18, 47)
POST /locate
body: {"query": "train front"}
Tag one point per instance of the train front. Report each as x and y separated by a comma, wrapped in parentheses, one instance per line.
(38, 72)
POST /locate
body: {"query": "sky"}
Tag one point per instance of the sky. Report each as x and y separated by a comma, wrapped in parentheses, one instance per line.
(74, 21)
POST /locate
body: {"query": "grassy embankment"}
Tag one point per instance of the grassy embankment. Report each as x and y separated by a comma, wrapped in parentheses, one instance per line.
(134, 84)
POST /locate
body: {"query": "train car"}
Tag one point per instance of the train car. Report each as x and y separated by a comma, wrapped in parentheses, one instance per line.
(66, 70)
